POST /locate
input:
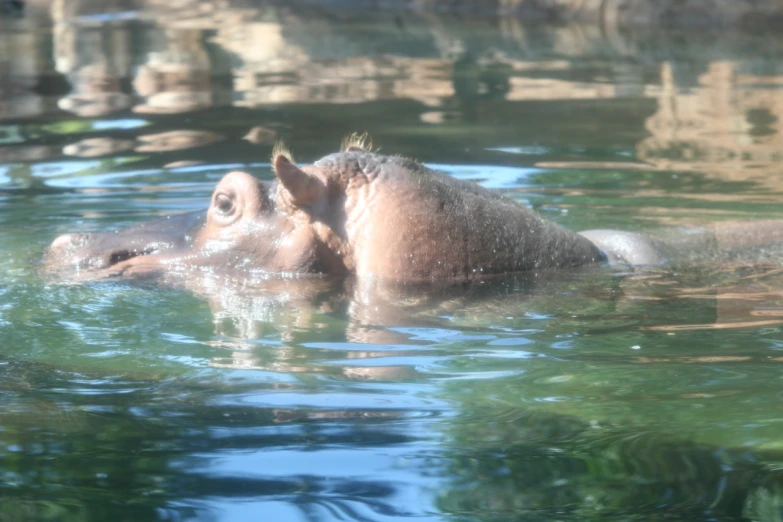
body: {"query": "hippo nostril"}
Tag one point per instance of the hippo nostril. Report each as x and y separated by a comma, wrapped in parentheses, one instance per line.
(62, 241)
(70, 241)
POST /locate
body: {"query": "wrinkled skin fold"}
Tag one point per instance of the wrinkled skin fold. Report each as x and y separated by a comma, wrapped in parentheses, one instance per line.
(358, 213)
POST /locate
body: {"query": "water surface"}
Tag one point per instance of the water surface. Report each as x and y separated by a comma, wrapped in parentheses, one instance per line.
(582, 395)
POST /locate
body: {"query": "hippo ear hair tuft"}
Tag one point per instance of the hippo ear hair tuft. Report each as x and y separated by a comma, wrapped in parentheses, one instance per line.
(357, 142)
(280, 149)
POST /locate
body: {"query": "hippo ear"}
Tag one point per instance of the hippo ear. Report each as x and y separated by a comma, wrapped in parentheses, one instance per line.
(304, 188)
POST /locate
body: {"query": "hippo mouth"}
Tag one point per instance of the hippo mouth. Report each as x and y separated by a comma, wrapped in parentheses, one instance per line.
(91, 251)
(101, 251)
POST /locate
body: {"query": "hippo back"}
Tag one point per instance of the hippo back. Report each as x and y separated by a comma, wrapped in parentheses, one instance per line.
(407, 221)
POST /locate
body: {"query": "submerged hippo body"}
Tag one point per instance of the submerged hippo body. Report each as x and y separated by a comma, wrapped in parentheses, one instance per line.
(350, 213)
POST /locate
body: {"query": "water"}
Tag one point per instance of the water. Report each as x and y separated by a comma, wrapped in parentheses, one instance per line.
(579, 395)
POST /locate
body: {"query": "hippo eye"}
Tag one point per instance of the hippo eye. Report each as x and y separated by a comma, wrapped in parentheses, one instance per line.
(224, 204)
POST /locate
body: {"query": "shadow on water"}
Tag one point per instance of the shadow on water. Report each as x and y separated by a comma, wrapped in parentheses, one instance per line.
(583, 395)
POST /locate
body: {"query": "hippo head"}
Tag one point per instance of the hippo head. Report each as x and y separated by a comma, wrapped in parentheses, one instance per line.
(278, 227)
(352, 212)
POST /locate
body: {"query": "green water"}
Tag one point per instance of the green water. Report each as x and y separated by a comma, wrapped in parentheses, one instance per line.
(581, 395)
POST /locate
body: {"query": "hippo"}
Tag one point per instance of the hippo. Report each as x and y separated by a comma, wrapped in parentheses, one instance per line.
(354, 213)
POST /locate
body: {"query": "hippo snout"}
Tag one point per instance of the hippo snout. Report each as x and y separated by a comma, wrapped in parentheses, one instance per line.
(98, 251)
(88, 251)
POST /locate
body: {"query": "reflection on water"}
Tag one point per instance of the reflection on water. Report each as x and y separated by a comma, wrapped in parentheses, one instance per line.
(572, 396)
(703, 104)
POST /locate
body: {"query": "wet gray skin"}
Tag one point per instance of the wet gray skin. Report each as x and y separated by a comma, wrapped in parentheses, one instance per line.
(364, 214)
